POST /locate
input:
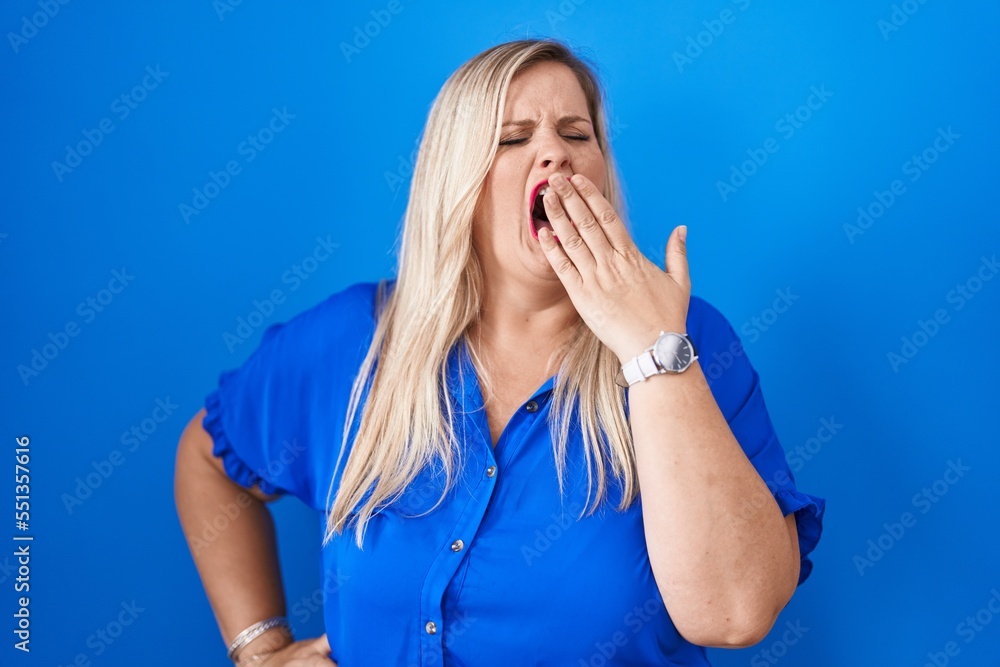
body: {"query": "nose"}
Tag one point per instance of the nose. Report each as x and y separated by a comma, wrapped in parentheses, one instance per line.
(553, 152)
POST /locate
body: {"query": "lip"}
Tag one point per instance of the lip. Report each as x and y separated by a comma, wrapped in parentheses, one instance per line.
(531, 201)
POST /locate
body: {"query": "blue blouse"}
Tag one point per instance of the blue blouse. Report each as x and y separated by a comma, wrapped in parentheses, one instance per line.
(501, 573)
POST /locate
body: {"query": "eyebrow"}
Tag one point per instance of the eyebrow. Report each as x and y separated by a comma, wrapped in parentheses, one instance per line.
(565, 120)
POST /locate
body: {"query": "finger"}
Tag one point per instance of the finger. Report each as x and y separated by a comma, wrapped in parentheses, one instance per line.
(579, 212)
(564, 267)
(562, 227)
(611, 225)
(675, 260)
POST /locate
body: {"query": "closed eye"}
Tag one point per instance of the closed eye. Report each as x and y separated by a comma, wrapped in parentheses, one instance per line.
(521, 140)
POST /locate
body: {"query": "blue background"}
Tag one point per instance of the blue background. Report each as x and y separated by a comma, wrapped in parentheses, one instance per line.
(339, 171)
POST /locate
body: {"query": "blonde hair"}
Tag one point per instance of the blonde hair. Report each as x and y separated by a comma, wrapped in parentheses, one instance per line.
(406, 422)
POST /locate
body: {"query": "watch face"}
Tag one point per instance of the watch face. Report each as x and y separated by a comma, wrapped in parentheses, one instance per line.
(673, 352)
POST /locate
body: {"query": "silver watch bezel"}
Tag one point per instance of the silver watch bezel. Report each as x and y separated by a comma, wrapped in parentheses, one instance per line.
(682, 341)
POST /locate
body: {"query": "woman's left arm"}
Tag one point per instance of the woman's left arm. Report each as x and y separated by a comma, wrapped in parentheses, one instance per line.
(725, 559)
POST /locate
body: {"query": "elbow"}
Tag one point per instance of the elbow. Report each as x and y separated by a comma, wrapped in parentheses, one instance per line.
(742, 621)
(748, 634)
(728, 631)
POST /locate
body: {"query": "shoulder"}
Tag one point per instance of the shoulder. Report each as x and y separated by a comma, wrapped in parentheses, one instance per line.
(347, 314)
(350, 305)
(326, 339)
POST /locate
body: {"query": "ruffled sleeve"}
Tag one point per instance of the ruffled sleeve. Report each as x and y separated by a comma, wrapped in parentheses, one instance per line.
(277, 420)
(256, 420)
(213, 423)
(736, 387)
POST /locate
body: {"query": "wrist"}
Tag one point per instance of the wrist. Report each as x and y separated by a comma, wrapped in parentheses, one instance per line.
(640, 341)
(673, 352)
(268, 642)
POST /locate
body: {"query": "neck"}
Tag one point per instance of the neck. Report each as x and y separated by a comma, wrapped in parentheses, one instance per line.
(525, 320)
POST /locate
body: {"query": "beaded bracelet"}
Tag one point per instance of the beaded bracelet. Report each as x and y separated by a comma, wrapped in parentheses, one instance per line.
(256, 630)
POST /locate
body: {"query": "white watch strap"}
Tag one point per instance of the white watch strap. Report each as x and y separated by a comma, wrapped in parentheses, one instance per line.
(639, 368)
(644, 365)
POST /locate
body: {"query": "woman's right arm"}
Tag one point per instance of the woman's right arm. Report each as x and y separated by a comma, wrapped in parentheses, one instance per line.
(231, 536)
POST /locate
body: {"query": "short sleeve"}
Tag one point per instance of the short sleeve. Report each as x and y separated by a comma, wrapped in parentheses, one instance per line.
(736, 387)
(241, 414)
(277, 419)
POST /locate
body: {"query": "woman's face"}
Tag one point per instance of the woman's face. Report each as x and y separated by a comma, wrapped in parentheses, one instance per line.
(546, 129)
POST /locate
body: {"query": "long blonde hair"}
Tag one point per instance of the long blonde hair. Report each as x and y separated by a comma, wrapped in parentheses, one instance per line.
(406, 422)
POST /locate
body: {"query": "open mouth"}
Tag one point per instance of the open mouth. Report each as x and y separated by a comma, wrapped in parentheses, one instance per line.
(537, 213)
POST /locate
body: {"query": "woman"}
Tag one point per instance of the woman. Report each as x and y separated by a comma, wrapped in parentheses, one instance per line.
(508, 395)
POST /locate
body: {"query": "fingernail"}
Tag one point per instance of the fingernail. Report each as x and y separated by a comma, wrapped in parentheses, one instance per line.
(683, 233)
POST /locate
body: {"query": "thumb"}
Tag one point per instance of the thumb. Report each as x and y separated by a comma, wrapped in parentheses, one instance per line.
(676, 261)
(322, 645)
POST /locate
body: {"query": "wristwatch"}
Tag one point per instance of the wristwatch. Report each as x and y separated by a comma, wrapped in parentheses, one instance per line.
(671, 353)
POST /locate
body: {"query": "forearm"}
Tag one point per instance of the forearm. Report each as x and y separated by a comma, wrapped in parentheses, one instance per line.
(231, 536)
(718, 544)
